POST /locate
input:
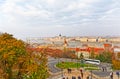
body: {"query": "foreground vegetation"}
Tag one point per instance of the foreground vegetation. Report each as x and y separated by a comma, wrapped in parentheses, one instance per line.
(19, 61)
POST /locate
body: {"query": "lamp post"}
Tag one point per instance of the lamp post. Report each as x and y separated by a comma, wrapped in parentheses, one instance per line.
(62, 70)
(78, 60)
(91, 74)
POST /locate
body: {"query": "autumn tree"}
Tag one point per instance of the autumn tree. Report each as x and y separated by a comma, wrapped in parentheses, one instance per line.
(11, 50)
(18, 63)
(68, 54)
(118, 55)
(116, 64)
(92, 54)
(116, 61)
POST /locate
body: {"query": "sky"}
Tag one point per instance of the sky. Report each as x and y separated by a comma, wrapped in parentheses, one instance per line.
(49, 18)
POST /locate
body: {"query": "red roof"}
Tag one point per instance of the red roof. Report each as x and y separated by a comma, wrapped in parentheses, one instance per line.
(98, 49)
(88, 49)
(107, 45)
(79, 49)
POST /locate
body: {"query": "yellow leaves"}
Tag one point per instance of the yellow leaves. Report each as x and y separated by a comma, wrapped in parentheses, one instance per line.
(20, 59)
(118, 55)
(116, 64)
(18, 44)
(12, 53)
(7, 41)
(15, 56)
(2, 42)
(32, 68)
(5, 56)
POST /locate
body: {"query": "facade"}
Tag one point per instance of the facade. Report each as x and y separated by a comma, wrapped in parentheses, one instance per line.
(102, 40)
(83, 39)
(92, 39)
(114, 40)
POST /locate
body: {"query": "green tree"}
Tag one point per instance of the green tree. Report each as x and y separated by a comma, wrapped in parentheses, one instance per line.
(105, 57)
(81, 56)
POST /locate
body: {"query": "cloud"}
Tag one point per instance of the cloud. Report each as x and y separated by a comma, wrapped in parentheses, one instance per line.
(39, 15)
(51, 2)
(27, 10)
(50, 11)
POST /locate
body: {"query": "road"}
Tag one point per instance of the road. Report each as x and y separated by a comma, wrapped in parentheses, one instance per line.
(101, 73)
(105, 70)
(52, 62)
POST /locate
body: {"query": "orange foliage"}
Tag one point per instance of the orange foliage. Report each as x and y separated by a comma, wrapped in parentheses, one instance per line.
(116, 64)
(16, 60)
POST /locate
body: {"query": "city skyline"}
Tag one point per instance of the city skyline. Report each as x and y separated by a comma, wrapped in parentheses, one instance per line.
(46, 18)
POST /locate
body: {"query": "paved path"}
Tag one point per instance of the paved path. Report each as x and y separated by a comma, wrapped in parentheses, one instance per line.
(58, 72)
(76, 73)
(52, 62)
(101, 73)
(52, 67)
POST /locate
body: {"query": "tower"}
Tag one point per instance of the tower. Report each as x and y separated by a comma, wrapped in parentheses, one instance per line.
(65, 42)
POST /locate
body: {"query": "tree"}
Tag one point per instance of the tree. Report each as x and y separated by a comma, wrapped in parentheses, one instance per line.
(68, 54)
(81, 59)
(92, 54)
(81, 56)
(17, 62)
(118, 55)
(116, 64)
(11, 50)
(105, 57)
(37, 66)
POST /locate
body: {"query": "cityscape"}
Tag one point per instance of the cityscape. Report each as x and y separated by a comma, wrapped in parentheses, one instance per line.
(80, 45)
(59, 39)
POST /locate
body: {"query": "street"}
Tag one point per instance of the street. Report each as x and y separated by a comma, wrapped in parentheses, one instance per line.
(58, 72)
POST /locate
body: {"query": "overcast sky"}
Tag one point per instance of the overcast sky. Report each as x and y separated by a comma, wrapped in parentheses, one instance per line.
(41, 18)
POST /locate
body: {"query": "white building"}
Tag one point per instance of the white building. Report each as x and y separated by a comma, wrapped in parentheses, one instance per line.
(86, 54)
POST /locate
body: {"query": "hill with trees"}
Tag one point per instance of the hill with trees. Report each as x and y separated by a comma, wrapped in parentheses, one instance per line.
(18, 61)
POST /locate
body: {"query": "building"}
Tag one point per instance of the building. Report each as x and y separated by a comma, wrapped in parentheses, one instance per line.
(86, 54)
(91, 39)
(101, 40)
(85, 39)
(86, 51)
(108, 47)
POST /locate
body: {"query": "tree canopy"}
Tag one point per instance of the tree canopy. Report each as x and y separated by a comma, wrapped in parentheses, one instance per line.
(17, 61)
